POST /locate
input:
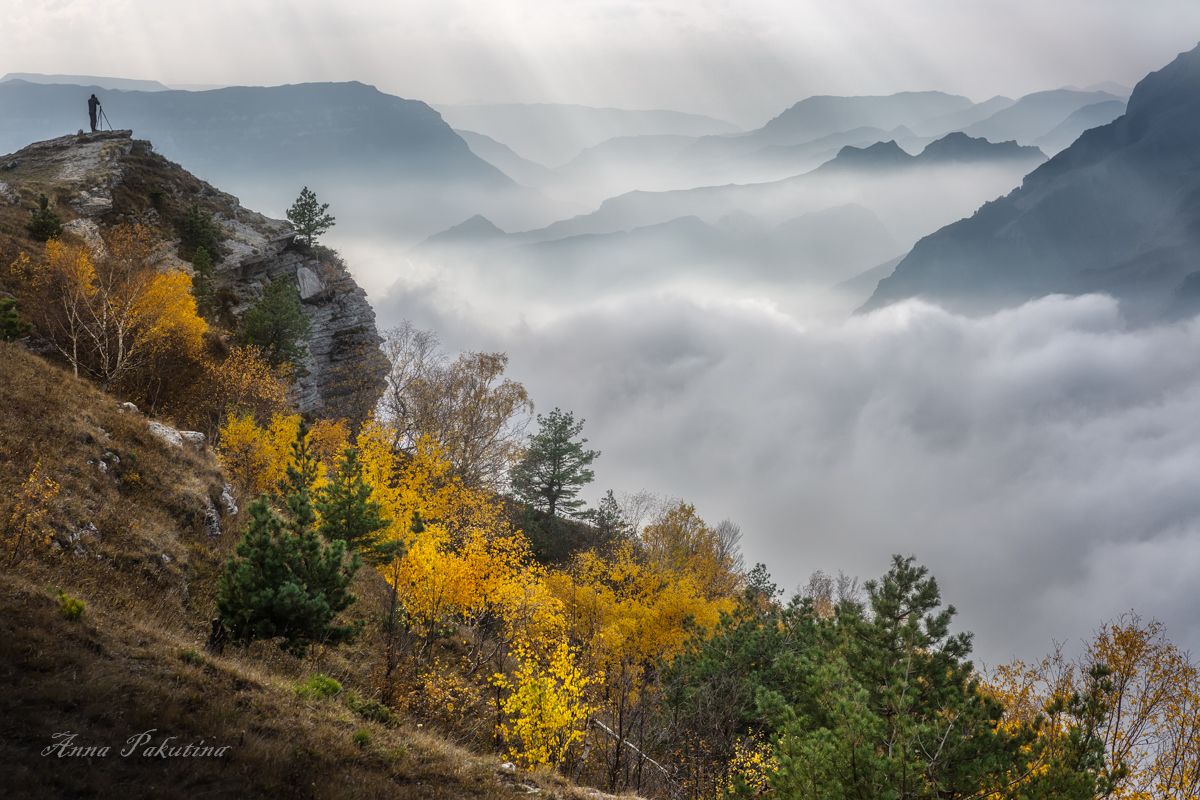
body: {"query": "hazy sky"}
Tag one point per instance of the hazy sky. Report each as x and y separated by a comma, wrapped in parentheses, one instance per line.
(744, 60)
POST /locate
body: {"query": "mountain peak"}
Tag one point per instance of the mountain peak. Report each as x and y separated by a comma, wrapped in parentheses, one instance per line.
(881, 154)
(959, 146)
(1115, 213)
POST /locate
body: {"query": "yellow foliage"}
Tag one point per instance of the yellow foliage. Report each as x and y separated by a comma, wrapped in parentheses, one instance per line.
(24, 515)
(241, 383)
(1154, 728)
(255, 457)
(546, 708)
(752, 766)
(166, 312)
(631, 612)
(328, 439)
(116, 317)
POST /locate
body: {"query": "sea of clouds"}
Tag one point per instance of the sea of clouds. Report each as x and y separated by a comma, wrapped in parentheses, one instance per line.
(1042, 461)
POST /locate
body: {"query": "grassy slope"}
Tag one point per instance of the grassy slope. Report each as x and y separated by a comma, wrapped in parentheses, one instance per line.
(134, 660)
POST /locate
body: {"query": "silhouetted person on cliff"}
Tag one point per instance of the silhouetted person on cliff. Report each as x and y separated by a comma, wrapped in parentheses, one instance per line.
(93, 109)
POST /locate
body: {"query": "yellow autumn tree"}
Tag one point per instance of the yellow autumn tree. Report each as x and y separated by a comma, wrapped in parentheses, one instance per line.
(453, 557)
(112, 317)
(1154, 726)
(242, 382)
(23, 515)
(546, 706)
(630, 610)
(256, 457)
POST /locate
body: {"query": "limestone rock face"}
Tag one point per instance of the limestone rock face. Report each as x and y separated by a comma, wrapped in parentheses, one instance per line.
(104, 178)
(343, 371)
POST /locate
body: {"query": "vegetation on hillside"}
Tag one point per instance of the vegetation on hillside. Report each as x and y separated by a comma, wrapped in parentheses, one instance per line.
(436, 565)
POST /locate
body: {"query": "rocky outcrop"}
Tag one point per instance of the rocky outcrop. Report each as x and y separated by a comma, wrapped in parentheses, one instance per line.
(1117, 212)
(100, 179)
(342, 375)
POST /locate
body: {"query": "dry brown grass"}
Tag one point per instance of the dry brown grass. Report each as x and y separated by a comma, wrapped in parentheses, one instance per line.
(135, 661)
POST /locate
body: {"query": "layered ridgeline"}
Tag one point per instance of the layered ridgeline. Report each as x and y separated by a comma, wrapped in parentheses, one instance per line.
(95, 182)
(380, 158)
(800, 138)
(802, 234)
(1116, 212)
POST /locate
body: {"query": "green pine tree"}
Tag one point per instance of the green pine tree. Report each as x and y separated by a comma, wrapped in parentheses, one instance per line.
(310, 216)
(43, 223)
(285, 586)
(202, 282)
(198, 230)
(295, 490)
(555, 467)
(277, 324)
(348, 514)
(609, 520)
(12, 327)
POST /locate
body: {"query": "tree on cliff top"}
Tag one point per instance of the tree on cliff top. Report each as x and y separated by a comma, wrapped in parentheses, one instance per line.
(309, 216)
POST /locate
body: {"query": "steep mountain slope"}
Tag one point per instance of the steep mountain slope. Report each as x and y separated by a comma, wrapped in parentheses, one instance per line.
(1118, 211)
(375, 156)
(132, 542)
(505, 159)
(1035, 115)
(553, 133)
(1084, 119)
(97, 180)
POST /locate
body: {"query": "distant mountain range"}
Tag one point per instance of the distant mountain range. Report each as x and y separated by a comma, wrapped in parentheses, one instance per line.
(376, 157)
(552, 133)
(882, 178)
(123, 84)
(815, 117)
(1118, 212)
(802, 137)
(1035, 115)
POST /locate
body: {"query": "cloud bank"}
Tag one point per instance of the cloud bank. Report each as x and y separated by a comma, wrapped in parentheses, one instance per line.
(1042, 461)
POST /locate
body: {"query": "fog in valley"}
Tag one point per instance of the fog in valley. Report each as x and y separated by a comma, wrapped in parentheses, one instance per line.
(691, 277)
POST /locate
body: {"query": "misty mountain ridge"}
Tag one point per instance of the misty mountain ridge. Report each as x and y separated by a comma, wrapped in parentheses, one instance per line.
(1035, 115)
(553, 133)
(798, 140)
(823, 115)
(951, 148)
(856, 178)
(1084, 119)
(1117, 212)
(122, 84)
(374, 156)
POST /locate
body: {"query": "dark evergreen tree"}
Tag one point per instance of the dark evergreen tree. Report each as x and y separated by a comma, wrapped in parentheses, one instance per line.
(310, 216)
(295, 490)
(555, 467)
(874, 699)
(202, 282)
(43, 223)
(284, 585)
(277, 325)
(348, 513)
(198, 230)
(12, 327)
(609, 520)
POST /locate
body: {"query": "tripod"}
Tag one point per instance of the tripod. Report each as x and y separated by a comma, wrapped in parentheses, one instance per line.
(104, 117)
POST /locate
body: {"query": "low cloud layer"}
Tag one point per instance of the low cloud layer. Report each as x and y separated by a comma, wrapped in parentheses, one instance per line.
(1042, 461)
